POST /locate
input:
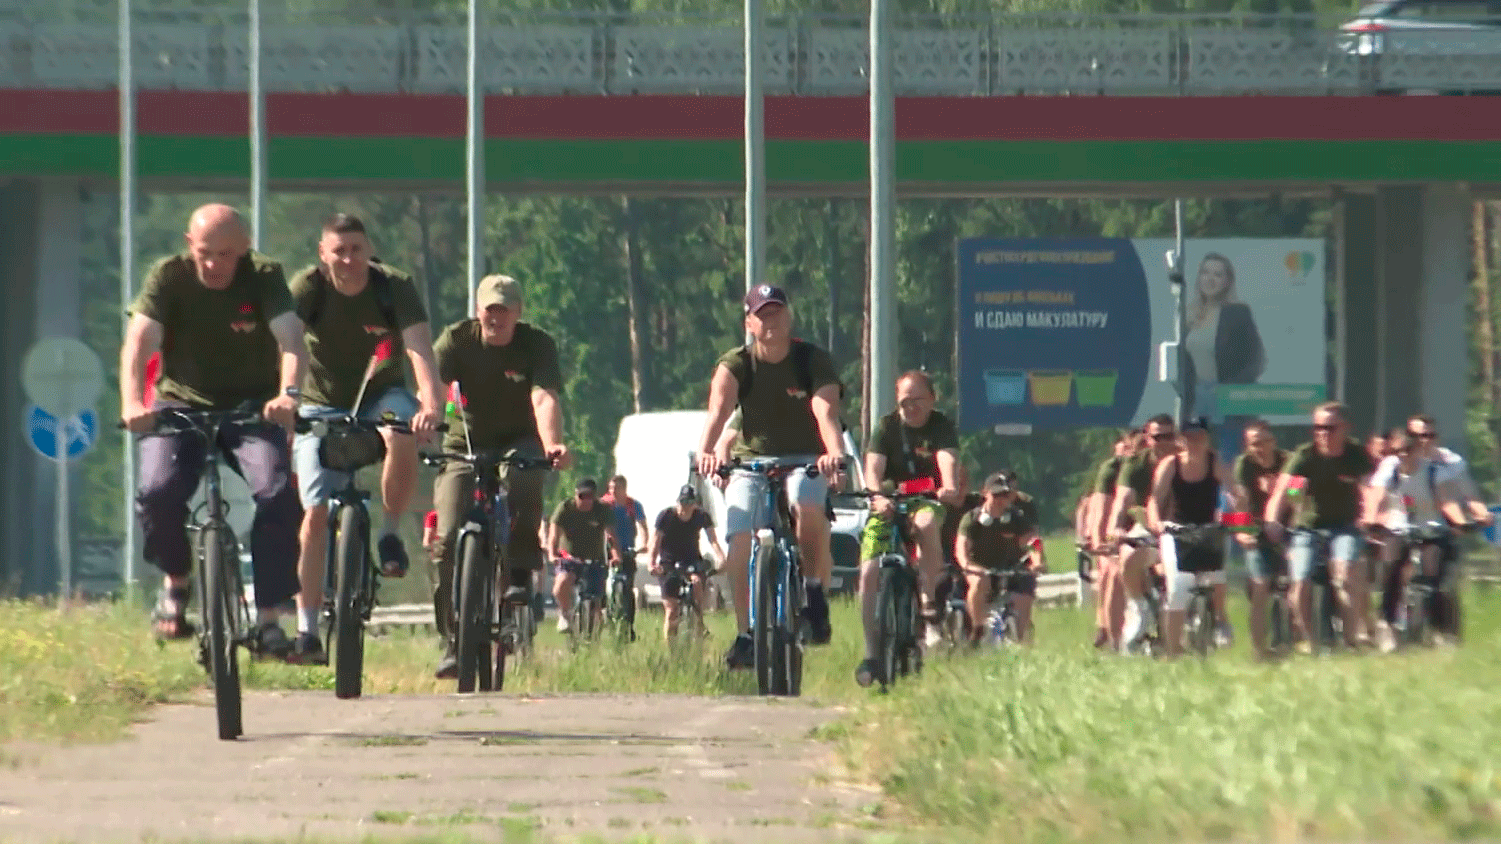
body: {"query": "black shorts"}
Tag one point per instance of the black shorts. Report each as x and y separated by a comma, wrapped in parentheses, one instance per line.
(676, 576)
(1019, 582)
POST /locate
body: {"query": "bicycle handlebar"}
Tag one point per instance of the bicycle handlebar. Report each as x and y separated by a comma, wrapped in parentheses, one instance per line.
(770, 466)
(181, 420)
(488, 459)
(319, 427)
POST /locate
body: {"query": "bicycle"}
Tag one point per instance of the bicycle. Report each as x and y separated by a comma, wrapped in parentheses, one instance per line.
(348, 444)
(777, 594)
(221, 591)
(620, 597)
(488, 632)
(588, 601)
(1149, 641)
(956, 626)
(679, 579)
(898, 598)
(1200, 622)
(1413, 625)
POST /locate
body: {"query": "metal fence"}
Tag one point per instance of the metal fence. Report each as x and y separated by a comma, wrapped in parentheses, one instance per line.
(74, 45)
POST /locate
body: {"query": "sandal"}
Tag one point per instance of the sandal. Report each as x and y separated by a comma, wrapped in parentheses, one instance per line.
(170, 621)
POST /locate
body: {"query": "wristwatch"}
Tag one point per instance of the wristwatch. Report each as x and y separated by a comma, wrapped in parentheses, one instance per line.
(293, 392)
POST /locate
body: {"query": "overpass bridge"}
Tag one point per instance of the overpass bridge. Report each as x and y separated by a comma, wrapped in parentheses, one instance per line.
(1150, 106)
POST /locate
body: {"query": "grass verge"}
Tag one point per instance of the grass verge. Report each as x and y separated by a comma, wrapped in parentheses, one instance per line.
(1065, 745)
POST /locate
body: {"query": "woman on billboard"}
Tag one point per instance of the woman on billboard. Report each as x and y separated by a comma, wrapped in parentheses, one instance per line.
(1223, 346)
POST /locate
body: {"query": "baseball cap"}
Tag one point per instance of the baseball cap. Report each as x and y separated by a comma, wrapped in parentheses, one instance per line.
(687, 494)
(1198, 423)
(759, 297)
(499, 290)
(999, 482)
(586, 485)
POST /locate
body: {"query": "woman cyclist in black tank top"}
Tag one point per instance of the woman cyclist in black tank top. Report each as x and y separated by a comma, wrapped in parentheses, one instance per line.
(1176, 498)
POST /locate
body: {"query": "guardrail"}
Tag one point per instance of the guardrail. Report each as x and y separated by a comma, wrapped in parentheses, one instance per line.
(75, 45)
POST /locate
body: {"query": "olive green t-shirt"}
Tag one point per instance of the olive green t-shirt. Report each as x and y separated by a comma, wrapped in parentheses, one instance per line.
(582, 533)
(1332, 497)
(1136, 474)
(1105, 477)
(496, 382)
(1248, 475)
(217, 347)
(912, 453)
(998, 545)
(347, 332)
(777, 416)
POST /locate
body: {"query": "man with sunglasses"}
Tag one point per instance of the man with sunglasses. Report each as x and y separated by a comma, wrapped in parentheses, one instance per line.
(581, 529)
(1000, 535)
(1133, 489)
(1326, 476)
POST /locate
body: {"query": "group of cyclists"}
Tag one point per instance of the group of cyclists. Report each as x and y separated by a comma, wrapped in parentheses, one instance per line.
(225, 329)
(1332, 506)
(218, 326)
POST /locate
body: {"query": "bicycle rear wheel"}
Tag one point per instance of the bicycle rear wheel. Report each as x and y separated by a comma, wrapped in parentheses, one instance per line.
(352, 565)
(219, 605)
(476, 606)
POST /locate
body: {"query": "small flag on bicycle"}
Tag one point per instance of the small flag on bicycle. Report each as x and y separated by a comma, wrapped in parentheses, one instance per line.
(1239, 522)
(1297, 486)
(455, 399)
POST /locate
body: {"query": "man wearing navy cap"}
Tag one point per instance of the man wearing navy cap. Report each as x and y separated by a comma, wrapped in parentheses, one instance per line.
(788, 393)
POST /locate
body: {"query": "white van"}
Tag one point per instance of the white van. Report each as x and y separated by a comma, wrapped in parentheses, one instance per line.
(655, 453)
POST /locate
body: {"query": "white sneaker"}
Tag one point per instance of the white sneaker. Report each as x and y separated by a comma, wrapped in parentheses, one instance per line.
(563, 626)
(1386, 641)
(932, 638)
(1224, 637)
(1135, 622)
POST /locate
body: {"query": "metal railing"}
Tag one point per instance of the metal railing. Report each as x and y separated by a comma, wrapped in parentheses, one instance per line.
(74, 45)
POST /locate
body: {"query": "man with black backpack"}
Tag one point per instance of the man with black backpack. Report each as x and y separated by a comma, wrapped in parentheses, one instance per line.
(788, 393)
(360, 316)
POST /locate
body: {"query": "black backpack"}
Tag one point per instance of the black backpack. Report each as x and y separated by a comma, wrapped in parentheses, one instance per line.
(379, 281)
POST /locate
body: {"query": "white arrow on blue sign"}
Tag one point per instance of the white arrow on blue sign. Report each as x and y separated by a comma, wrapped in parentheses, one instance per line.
(44, 431)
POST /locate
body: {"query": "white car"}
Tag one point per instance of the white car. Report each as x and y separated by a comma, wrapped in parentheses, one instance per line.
(1429, 46)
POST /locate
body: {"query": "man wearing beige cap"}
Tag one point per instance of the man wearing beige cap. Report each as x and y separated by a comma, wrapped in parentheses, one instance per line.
(788, 392)
(508, 377)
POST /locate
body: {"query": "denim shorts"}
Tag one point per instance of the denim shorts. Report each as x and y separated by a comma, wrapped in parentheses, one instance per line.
(315, 484)
(745, 494)
(1344, 544)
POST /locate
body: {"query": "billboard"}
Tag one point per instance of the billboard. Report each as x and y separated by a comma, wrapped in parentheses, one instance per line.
(1066, 332)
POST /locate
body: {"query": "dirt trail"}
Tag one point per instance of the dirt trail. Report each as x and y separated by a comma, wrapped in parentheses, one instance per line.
(733, 769)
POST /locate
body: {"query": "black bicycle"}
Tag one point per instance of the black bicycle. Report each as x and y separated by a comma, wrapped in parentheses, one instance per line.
(588, 600)
(1414, 625)
(898, 598)
(351, 578)
(777, 593)
(488, 631)
(1149, 641)
(681, 582)
(1328, 621)
(221, 590)
(620, 597)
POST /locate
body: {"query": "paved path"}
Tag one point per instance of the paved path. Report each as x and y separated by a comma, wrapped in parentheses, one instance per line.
(731, 769)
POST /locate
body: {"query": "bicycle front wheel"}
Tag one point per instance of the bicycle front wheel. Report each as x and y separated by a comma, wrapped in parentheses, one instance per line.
(1200, 624)
(349, 624)
(476, 606)
(1279, 622)
(888, 602)
(792, 631)
(219, 605)
(764, 624)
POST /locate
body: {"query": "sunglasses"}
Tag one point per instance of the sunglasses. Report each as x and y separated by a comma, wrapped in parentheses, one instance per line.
(1325, 427)
(1422, 435)
(1161, 437)
(585, 496)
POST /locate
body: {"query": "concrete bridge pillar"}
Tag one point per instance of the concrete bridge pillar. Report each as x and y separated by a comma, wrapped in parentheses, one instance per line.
(1404, 289)
(41, 235)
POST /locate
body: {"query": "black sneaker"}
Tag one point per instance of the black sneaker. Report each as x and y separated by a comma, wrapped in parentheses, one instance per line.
(271, 642)
(308, 650)
(742, 653)
(866, 673)
(448, 666)
(392, 555)
(816, 613)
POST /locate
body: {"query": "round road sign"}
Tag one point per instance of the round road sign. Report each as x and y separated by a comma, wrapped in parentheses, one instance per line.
(62, 376)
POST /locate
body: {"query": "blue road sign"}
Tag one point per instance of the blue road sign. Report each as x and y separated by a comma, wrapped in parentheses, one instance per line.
(78, 433)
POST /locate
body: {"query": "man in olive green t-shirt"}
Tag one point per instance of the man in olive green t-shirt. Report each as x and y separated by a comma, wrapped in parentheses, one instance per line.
(361, 316)
(221, 318)
(509, 387)
(1133, 489)
(999, 535)
(580, 531)
(1329, 472)
(791, 411)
